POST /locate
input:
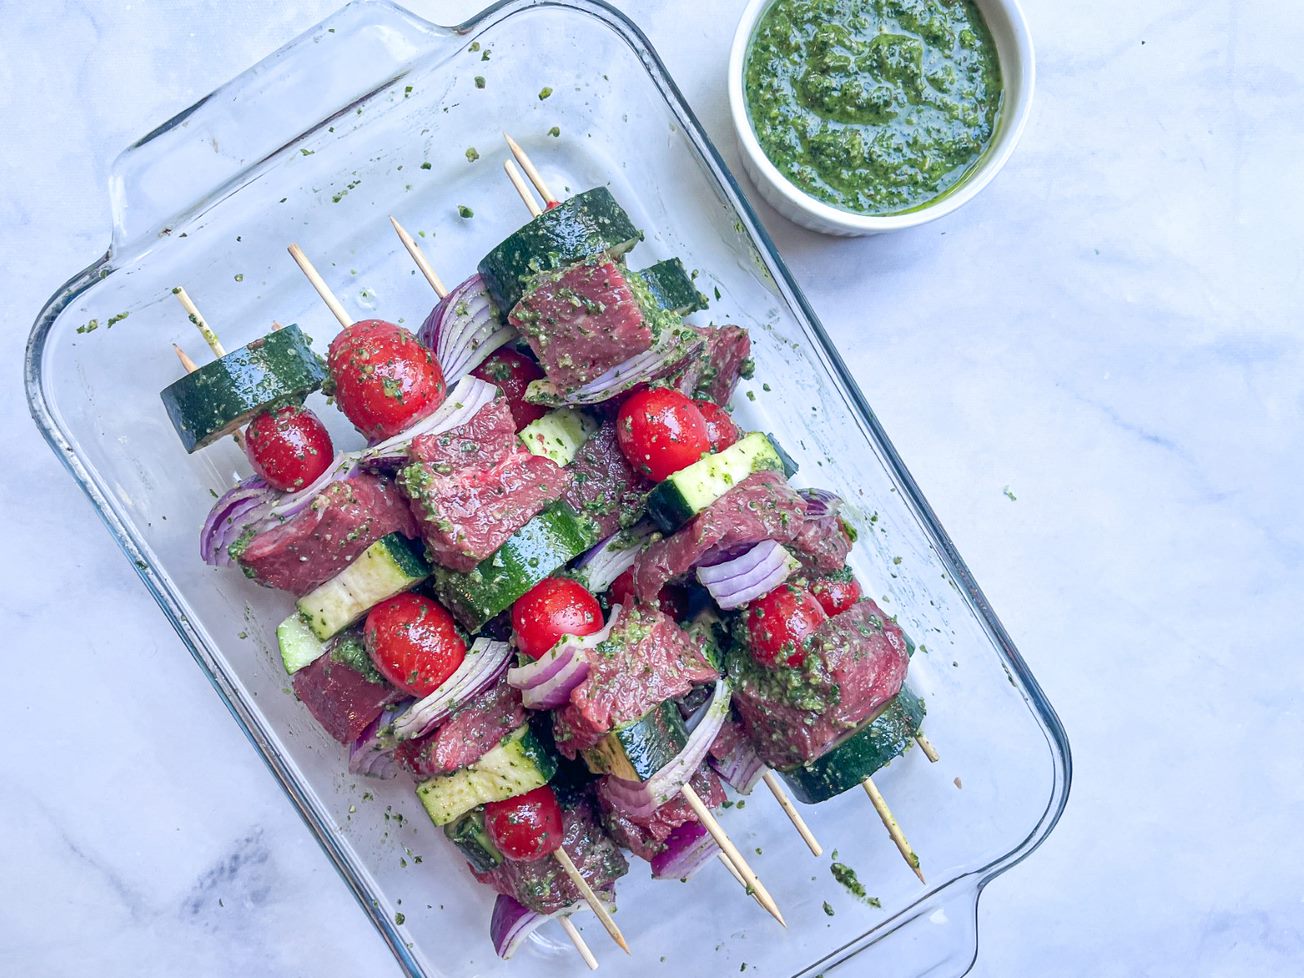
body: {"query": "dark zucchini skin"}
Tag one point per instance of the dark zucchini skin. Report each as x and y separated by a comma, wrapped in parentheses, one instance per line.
(468, 833)
(547, 543)
(873, 746)
(223, 395)
(672, 287)
(589, 224)
(789, 466)
(639, 749)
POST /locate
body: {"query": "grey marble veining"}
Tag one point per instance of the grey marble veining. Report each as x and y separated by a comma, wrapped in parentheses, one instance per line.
(1111, 332)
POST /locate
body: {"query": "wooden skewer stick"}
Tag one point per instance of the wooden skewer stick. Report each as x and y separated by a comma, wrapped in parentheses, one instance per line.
(894, 830)
(530, 171)
(790, 810)
(591, 898)
(191, 367)
(514, 175)
(418, 256)
(724, 842)
(577, 939)
(927, 747)
(318, 283)
(736, 875)
(209, 336)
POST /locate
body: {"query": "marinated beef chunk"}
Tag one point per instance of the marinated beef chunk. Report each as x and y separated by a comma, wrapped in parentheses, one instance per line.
(313, 546)
(645, 836)
(761, 507)
(343, 691)
(605, 488)
(542, 885)
(476, 488)
(585, 319)
(855, 662)
(466, 736)
(646, 660)
(713, 373)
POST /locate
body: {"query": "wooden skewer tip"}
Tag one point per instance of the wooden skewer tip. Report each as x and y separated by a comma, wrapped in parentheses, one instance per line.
(927, 747)
(591, 899)
(419, 257)
(518, 182)
(200, 323)
(893, 829)
(794, 816)
(722, 839)
(577, 939)
(319, 285)
(530, 170)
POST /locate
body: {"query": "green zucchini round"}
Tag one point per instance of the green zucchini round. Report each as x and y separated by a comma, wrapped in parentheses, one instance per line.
(224, 395)
(672, 287)
(873, 746)
(587, 225)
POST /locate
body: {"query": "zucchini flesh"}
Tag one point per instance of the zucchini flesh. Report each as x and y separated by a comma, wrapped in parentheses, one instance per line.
(547, 543)
(299, 645)
(676, 500)
(672, 287)
(519, 763)
(639, 749)
(558, 435)
(873, 746)
(221, 396)
(587, 225)
(391, 565)
(468, 833)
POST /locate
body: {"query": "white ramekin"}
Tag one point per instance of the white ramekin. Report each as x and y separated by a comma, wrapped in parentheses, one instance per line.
(1018, 74)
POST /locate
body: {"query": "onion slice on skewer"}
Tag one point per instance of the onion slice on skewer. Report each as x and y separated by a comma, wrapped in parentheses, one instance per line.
(546, 683)
(742, 768)
(644, 368)
(512, 922)
(484, 663)
(464, 401)
(245, 504)
(372, 754)
(749, 576)
(599, 567)
(688, 848)
(464, 329)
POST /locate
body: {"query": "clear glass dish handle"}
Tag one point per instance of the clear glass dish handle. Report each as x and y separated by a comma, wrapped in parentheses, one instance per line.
(940, 941)
(203, 152)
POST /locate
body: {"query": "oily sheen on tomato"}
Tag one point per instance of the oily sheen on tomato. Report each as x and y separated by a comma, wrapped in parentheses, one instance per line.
(528, 826)
(837, 592)
(554, 607)
(413, 642)
(661, 431)
(512, 372)
(289, 447)
(721, 432)
(384, 379)
(779, 623)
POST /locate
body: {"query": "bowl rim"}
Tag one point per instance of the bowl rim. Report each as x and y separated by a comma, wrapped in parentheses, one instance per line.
(1017, 59)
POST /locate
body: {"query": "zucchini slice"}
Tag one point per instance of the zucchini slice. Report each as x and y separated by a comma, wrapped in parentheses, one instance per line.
(222, 396)
(547, 543)
(874, 745)
(558, 435)
(675, 501)
(519, 763)
(468, 833)
(589, 224)
(299, 645)
(390, 566)
(672, 287)
(639, 749)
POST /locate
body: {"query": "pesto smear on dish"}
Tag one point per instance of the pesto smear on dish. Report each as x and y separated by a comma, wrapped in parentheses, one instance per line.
(873, 106)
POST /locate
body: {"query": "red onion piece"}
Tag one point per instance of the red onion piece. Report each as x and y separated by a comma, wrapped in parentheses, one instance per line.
(546, 683)
(641, 800)
(345, 465)
(598, 568)
(484, 663)
(747, 577)
(372, 753)
(464, 329)
(741, 768)
(512, 922)
(245, 504)
(463, 402)
(643, 368)
(688, 848)
(820, 503)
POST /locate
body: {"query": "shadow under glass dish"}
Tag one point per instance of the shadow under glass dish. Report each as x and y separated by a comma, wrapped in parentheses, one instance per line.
(318, 144)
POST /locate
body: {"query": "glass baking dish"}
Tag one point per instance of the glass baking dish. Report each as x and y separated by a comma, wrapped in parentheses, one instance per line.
(372, 113)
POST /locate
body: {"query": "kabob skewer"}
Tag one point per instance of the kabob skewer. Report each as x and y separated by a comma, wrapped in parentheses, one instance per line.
(214, 344)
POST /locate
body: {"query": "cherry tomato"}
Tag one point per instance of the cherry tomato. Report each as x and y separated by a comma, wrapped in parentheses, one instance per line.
(721, 431)
(528, 826)
(661, 431)
(413, 642)
(673, 599)
(384, 379)
(289, 447)
(512, 372)
(554, 607)
(836, 593)
(779, 623)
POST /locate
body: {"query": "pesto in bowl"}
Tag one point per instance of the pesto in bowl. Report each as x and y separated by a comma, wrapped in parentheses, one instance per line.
(875, 107)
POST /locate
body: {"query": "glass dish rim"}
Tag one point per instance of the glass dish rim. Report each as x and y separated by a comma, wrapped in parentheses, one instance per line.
(164, 594)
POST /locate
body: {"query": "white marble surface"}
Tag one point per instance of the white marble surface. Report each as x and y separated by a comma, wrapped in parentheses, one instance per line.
(1112, 331)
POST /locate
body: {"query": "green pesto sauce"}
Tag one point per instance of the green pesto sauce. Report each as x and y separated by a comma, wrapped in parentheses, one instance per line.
(873, 106)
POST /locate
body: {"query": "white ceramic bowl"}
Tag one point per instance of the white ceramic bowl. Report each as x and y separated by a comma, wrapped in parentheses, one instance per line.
(1018, 74)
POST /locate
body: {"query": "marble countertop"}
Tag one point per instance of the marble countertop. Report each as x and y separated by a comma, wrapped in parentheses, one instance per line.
(1116, 342)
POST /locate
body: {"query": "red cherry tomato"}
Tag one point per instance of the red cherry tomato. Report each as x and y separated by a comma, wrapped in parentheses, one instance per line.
(837, 593)
(384, 379)
(512, 372)
(721, 431)
(413, 642)
(779, 623)
(673, 599)
(554, 607)
(661, 431)
(528, 826)
(289, 447)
